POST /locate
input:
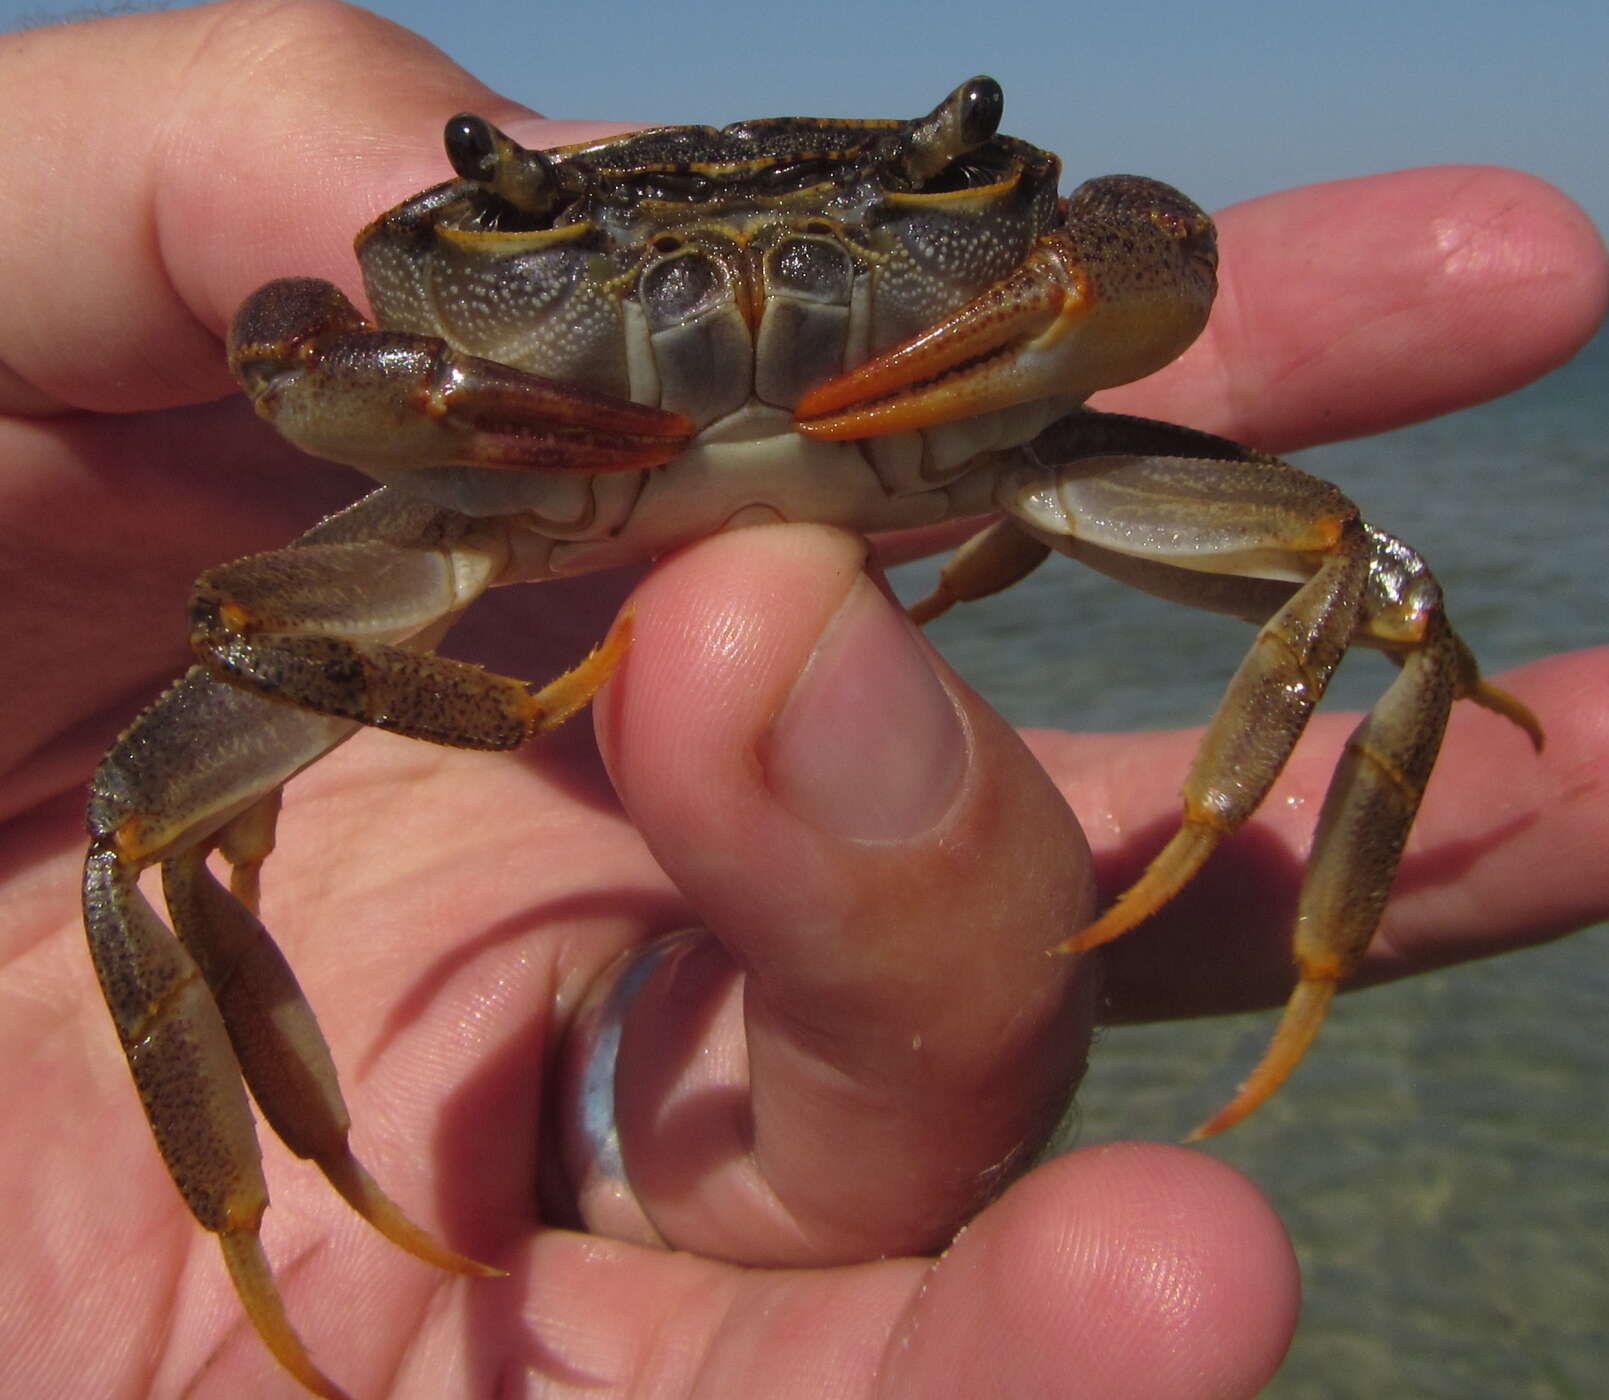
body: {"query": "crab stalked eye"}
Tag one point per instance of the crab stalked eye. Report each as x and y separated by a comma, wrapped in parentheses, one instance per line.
(965, 120)
(979, 106)
(471, 146)
(524, 180)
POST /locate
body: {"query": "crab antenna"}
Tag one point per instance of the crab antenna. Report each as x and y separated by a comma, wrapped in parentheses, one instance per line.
(478, 151)
(967, 118)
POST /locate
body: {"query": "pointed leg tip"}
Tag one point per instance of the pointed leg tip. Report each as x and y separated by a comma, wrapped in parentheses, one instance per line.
(1304, 1014)
(1173, 868)
(1113, 924)
(1225, 1118)
(430, 1250)
(1251, 1096)
(1513, 709)
(362, 1192)
(254, 1284)
(924, 610)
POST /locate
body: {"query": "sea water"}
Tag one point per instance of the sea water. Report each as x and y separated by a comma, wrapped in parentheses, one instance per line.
(1441, 1158)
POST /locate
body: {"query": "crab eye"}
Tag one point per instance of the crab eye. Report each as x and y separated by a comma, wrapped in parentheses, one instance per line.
(927, 147)
(979, 107)
(471, 147)
(527, 182)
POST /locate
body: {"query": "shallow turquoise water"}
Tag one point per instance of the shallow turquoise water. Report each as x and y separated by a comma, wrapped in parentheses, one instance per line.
(1442, 1157)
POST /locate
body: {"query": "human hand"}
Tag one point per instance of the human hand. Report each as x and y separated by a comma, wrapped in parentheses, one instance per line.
(446, 911)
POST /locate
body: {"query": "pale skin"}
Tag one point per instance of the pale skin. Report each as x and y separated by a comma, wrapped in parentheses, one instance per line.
(445, 911)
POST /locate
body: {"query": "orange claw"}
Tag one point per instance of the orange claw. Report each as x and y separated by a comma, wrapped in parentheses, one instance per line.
(999, 349)
(1112, 295)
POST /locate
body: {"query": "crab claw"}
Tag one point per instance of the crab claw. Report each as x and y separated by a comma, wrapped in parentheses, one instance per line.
(1116, 292)
(385, 401)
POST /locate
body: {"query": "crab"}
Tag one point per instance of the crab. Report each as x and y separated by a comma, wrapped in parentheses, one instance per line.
(587, 357)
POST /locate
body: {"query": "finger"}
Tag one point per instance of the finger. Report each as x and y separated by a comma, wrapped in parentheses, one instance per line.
(1494, 814)
(143, 233)
(884, 861)
(1360, 305)
(1123, 1271)
(247, 145)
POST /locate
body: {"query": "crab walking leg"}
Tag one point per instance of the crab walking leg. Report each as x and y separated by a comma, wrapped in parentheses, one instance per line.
(143, 805)
(210, 1007)
(1364, 824)
(1186, 527)
(1237, 532)
(1362, 828)
(342, 626)
(282, 1053)
(1256, 725)
(998, 556)
(325, 627)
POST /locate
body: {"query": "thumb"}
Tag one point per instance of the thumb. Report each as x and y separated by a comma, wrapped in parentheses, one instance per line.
(871, 1035)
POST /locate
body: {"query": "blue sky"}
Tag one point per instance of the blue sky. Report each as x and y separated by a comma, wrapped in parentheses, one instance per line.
(1224, 99)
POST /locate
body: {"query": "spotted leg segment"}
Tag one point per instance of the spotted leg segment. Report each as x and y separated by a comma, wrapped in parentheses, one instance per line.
(1205, 522)
(168, 1018)
(342, 621)
(205, 1005)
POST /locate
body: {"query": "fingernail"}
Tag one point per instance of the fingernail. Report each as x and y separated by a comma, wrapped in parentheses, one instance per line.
(868, 744)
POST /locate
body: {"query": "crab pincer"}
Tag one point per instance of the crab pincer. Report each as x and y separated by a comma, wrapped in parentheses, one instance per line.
(386, 400)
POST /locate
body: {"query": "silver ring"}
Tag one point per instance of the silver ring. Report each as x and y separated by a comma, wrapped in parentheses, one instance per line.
(590, 1131)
